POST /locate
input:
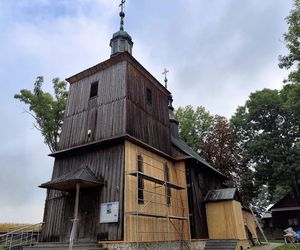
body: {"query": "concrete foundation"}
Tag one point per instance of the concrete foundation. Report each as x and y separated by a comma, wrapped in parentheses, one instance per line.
(173, 245)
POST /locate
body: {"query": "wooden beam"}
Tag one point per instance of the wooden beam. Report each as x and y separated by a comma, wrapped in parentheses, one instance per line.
(75, 220)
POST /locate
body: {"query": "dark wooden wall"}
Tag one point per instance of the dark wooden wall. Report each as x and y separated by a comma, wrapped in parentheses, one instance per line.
(280, 219)
(120, 107)
(289, 200)
(200, 180)
(106, 163)
(104, 115)
(148, 122)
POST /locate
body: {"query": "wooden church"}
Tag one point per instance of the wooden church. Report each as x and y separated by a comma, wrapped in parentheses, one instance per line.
(122, 174)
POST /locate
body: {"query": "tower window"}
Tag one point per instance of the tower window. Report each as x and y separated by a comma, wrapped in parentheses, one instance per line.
(122, 45)
(94, 89)
(140, 168)
(167, 189)
(149, 96)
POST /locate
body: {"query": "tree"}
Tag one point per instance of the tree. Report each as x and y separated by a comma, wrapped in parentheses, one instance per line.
(292, 41)
(194, 125)
(222, 150)
(268, 129)
(47, 110)
(213, 138)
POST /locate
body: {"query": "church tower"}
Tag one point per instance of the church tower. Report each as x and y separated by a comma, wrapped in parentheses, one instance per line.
(122, 174)
(114, 178)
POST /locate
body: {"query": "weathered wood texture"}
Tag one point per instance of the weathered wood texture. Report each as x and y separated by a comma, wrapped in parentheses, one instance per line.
(106, 163)
(286, 212)
(121, 106)
(200, 180)
(148, 122)
(176, 153)
(284, 219)
(250, 222)
(225, 220)
(104, 114)
(288, 201)
(140, 228)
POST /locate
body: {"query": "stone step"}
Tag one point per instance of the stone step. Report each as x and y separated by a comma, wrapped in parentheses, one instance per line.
(220, 244)
(65, 246)
(13, 248)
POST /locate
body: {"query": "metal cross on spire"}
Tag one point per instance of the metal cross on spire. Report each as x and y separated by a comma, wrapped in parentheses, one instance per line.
(122, 14)
(166, 79)
(122, 5)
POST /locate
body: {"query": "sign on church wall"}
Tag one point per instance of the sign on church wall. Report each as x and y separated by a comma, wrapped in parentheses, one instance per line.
(109, 212)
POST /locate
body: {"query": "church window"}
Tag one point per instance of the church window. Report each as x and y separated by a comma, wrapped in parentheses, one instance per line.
(295, 221)
(167, 189)
(140, 169)
(94, 89)
(122, 45)
(149, 96)
(115, 46)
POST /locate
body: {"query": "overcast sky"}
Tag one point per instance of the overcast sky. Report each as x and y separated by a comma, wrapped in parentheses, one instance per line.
(217, 51)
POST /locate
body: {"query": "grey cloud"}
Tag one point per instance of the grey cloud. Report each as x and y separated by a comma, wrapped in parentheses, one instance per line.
(217, 51)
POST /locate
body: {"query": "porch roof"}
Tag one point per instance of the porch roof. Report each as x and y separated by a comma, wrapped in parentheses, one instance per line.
(84, 176)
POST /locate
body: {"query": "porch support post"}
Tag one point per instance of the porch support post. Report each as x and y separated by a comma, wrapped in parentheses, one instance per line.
(76, 201)
(75, 220)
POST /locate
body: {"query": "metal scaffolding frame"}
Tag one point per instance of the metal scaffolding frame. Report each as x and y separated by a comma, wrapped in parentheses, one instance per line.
(176, 203)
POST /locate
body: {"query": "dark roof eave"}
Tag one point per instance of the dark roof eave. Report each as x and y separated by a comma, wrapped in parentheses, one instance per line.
(113, 60)
(181, 145)
(111, 140)
(52, 185)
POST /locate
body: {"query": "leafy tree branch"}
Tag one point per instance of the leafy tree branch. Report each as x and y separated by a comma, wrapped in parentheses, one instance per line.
(47, 110)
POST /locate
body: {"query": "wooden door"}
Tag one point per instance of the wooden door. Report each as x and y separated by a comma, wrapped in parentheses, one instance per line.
(88, 214)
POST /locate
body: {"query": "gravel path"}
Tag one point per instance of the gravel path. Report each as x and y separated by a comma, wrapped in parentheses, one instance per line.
(267, 247)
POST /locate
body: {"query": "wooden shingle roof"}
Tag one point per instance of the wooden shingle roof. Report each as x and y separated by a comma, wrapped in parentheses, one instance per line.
(222, 195)
(84, 176)
(180, 144)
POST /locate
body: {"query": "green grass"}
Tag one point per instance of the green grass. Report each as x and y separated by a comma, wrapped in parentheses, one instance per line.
(277, 241)
(285, 247)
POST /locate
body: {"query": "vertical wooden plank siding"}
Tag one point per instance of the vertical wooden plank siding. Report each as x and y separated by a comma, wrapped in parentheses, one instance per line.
(107, 163)
(250, 222)
(154, 229)
(200, 181)
(148, 122)
(103, 114)
(240, 226)
(225, 220)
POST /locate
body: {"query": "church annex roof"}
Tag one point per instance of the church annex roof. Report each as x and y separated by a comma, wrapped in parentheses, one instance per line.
(222, 195)
(177, 142)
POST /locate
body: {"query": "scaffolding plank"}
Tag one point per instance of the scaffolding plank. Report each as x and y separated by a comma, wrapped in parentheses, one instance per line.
(156, 180)
(157, 215)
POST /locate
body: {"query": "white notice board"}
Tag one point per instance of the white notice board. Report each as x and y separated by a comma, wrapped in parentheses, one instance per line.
(109, 212)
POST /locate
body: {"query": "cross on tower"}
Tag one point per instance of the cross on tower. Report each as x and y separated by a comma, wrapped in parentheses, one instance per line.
(166, 79)
(122, 5)
(122, 14)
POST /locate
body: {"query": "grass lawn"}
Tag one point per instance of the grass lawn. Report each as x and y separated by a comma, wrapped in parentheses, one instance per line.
(285, 247)
(277, 241)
